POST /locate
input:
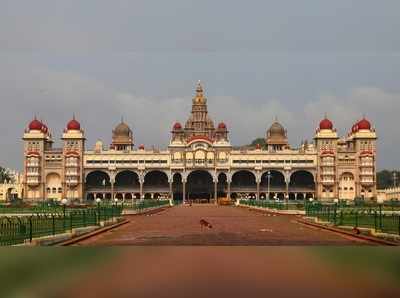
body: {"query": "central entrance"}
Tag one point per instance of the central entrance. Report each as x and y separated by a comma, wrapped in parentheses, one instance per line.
(200, 186)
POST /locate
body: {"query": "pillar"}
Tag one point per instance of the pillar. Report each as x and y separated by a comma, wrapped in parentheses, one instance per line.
(171, 193)
(229, 181)
(112, 190)
(216, 191)
(141, 188)
(183, 190)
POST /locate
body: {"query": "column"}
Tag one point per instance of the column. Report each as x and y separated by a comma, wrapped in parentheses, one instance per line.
(183, 190)
(112, 189)
(229, 181)
(141, 181)
(216, 191)
(171, 193)
(287, 189)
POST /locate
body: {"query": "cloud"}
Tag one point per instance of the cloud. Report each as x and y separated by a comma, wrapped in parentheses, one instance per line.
(54, 95)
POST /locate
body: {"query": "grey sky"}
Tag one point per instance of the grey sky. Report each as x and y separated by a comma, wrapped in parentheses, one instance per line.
(141, 59)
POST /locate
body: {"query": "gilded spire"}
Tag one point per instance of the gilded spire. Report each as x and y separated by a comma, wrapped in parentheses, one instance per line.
(199, 99)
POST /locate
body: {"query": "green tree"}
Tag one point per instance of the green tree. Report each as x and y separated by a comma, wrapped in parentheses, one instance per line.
(4, 175)
(385, 179)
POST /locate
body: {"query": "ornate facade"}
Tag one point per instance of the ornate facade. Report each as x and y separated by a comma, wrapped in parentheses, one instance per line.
(200, 163)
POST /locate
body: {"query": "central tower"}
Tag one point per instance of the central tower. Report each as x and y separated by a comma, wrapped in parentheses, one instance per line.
(199, 123)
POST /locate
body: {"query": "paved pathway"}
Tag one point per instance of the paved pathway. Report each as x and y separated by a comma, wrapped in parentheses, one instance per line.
(231, 226)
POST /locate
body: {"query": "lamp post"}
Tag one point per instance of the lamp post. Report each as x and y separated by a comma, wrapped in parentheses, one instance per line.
(104, 185)
(394, 179)
(269, 182)
(98, 201)
(64, 204)
(116, 205)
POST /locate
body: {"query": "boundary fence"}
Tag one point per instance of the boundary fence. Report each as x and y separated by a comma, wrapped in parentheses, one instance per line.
(273, 204)
(372, 217)
(17, 230)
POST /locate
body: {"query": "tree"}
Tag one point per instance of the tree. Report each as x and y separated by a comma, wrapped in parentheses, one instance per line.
(5, 175)
(385, 179)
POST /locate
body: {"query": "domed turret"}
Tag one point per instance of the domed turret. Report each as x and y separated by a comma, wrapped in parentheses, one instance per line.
(35, 125)
(326, 124)
(276, 139)
(122, 137)
(73, 124)
(222, 126)
(277, 130)
(364, 124)
(177, 126)
(122, 130)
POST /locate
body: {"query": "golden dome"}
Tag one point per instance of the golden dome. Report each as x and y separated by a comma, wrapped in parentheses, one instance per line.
(199, 98)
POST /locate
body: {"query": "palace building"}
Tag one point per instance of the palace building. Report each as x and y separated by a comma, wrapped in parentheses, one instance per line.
(200, 163)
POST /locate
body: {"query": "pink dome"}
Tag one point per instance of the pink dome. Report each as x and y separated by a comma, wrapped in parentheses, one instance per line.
(364, 124)
(222, 125)
(73, 125)
(177, 126)
(326, 124)
(35, 125)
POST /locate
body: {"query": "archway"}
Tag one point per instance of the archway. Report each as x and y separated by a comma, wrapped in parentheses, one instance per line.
(177, 187)
(276, 183)
(243, 181)
(222, 185)
(127, 181)
(12, 194)
(199, 186)
(156, 181)
(97, 180)
(302, 181)
(90, 197)
(53, 187)
(347, 187)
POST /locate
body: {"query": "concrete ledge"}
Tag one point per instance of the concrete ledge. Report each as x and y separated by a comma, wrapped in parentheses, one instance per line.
(282, 212)
(77, 232)
(366, 233)
(144, 211)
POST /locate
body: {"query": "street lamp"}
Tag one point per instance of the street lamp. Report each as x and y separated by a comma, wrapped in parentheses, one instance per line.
(64, 204)
(98, 201)
(394, 179)
(104, 185)
(269, 182)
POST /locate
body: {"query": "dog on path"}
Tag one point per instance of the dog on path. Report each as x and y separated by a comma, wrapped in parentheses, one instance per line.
(206, 224)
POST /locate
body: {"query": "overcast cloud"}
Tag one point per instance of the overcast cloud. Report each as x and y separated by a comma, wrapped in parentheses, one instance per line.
(141, 59)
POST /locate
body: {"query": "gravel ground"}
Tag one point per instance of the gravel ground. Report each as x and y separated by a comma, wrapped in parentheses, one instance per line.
(230, 226)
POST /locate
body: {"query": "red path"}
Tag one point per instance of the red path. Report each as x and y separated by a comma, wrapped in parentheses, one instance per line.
(231, 226)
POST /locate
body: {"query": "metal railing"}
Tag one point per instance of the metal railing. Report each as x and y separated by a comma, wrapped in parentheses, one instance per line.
(365, 217)
(144, 204)
(17, 230)
(273, 204)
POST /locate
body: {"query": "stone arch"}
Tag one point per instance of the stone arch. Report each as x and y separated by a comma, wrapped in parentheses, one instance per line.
(222, 185)
(302, 180)
(277, 180)
(12, 194)
(347, 186)
(177, 186)
(200, 185)
(94, 179)
(243, 179)
(53, 185)
(127, 179)
(156, 181)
